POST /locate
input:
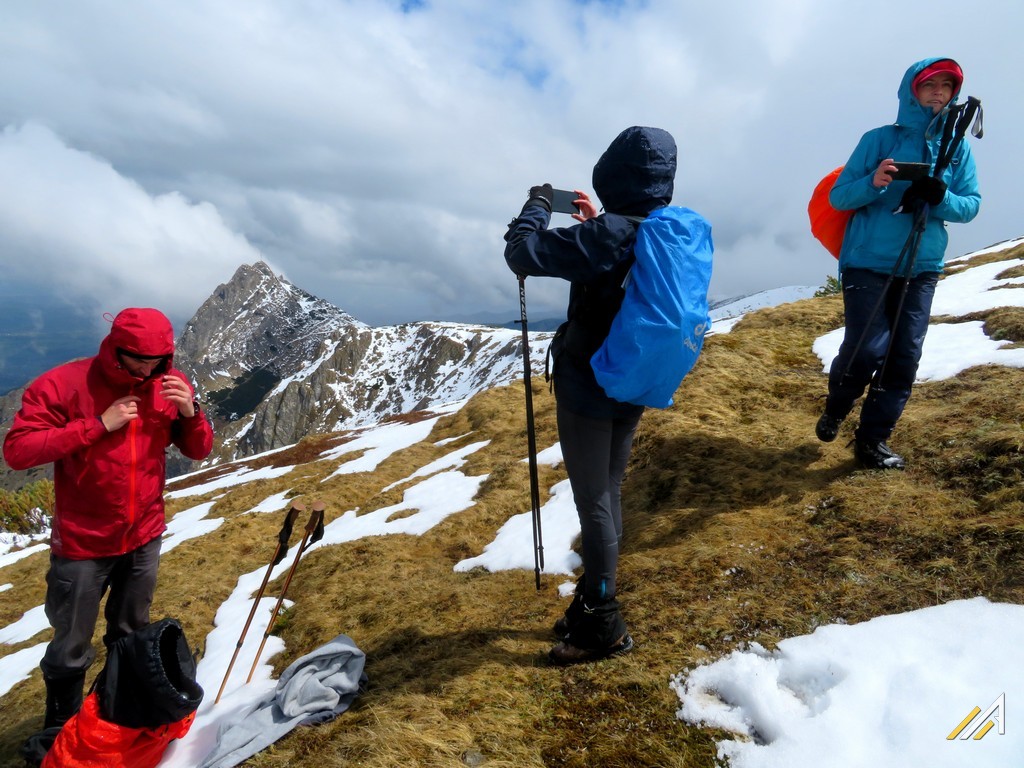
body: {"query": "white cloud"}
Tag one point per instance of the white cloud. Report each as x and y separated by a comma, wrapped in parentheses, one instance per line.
(359, 148)
(69, 215)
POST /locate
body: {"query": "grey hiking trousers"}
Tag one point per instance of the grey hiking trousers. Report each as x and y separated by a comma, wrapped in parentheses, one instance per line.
(74, 589)
(596, 452)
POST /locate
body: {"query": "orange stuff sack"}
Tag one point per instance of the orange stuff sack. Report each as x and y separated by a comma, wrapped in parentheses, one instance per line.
(89, 741)
(827, 224)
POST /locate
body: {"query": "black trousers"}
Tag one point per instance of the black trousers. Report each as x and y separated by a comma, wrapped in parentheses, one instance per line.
(596, 452)
(888, 394)
(74, 590)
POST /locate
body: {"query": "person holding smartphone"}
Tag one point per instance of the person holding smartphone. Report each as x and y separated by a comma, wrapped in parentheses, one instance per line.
(881, 349)
(104, 422)
(633, 177)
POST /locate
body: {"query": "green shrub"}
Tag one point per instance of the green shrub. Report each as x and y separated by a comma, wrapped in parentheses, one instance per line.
(27, 510)
(831, 287)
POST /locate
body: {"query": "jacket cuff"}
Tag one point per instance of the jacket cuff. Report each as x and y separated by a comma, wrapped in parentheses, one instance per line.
(95, 429)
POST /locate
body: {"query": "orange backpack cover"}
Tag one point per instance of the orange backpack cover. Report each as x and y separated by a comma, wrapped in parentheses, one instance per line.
(827, 224)
(89, 741)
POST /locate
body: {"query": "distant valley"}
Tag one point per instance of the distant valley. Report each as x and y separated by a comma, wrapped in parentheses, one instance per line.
(39, 331)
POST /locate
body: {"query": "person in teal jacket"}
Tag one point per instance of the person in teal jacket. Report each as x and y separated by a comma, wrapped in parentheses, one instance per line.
(884, 215)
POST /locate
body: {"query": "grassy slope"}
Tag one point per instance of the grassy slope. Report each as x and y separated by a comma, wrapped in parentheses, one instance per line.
(739, 525)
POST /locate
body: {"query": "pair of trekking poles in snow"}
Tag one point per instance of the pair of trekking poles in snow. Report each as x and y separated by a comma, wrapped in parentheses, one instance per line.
(313, 533)
(958, 118)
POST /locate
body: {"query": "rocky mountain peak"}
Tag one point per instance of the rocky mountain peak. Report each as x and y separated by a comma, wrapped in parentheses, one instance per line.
(255, 325)
(273, 363)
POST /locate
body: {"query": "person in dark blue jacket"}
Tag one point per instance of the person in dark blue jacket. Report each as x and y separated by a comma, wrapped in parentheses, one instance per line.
(632, 178)
(874, 239)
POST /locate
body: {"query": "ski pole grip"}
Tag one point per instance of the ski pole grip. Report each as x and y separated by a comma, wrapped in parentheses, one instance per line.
(974, 107)
(314, 517)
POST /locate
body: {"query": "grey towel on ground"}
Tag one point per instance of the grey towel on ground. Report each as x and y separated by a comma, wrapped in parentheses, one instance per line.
(314, 689)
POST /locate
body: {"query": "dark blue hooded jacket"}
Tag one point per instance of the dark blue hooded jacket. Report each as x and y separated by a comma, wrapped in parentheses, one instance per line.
(633, 177)
(875, 236)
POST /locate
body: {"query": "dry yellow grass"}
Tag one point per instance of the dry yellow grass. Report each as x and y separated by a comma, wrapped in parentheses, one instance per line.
(739, 525)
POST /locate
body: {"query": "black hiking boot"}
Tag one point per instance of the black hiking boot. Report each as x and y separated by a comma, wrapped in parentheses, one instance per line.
(598, 633)
(875, 454)
(566, 653)
(63, 700)
(38, 744)
(572, 614)
(828, 427)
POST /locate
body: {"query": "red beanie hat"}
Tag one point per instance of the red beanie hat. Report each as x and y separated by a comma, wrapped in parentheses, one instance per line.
(940, 67)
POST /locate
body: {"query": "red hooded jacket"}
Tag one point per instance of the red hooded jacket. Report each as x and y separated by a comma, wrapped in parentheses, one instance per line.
(108, 485)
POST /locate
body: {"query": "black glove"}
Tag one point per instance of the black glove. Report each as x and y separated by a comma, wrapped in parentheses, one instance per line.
(926, 190)
(541, 195)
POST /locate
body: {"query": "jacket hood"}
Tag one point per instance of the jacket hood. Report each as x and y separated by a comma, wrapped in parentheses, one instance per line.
(145, 332)
(911, 112)
(637, 172)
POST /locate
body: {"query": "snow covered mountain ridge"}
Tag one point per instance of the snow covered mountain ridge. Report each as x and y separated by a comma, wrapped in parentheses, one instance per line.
(272, 364)
(740, 305)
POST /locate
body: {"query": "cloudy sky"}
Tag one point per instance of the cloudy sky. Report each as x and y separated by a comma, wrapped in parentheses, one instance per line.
(372, 151)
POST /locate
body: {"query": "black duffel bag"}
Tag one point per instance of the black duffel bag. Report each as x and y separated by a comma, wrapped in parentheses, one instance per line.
(149, 679)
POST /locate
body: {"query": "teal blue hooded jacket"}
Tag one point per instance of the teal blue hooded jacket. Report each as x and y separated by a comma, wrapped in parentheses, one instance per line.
(875, 235)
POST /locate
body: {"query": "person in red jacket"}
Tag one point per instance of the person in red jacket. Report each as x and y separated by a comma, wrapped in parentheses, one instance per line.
(105, 423)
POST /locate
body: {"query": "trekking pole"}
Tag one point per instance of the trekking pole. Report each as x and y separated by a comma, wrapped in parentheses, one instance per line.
(531, 441)
(955, 129)
(314, 530)
(907, 246)
(279, 552)
(920, 219)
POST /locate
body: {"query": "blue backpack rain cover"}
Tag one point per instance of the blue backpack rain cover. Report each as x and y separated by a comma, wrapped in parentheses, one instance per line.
(658, 333)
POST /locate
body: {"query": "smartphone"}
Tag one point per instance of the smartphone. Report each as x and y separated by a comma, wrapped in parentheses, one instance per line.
(562, 202)
(910, 171)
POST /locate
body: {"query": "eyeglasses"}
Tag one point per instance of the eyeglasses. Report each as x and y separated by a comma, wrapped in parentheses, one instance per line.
(140, 358)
